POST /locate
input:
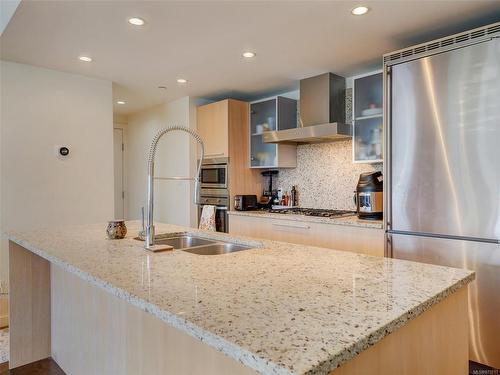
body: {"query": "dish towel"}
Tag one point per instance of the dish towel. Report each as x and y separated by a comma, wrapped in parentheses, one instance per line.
(207, 219)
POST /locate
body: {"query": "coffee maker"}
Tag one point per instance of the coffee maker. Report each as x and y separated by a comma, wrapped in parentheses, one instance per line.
(269, 194)
(369, 195)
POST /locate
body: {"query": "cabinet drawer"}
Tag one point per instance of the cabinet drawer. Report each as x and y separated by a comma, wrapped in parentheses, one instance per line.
(339, 237)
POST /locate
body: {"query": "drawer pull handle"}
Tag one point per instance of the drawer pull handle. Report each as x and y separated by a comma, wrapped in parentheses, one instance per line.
(292, 226)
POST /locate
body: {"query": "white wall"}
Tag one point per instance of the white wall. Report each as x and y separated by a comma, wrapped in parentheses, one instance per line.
(41, 109)
(176, 156)
(120, 122)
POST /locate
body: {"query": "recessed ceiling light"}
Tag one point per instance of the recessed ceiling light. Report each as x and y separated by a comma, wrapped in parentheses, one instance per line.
(359, 11)
(181, 80)
(248, 54)
(120, 102)
(85, 58)
(136, 21)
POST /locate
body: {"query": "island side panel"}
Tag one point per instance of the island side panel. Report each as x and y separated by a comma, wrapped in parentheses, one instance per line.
(94, 332)
(29, 306)
(435, 342)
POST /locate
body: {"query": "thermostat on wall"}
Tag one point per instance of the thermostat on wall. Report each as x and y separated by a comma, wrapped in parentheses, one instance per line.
(63, 152)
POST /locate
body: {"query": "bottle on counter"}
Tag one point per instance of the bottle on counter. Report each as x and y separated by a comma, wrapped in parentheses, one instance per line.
(285, 199)
(293, 196)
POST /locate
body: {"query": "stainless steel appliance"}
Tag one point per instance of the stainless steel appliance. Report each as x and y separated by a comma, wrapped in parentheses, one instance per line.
(245, 202)
(214, 173)
(442, 168)
(322, 113)
(369, 196)
(313, 212)
(269, 195)
(220, 199)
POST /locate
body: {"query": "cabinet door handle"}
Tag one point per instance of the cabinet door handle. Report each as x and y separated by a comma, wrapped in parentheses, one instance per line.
(299, 226)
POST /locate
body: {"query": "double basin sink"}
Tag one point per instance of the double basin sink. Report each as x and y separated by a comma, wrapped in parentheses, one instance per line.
(200, 246)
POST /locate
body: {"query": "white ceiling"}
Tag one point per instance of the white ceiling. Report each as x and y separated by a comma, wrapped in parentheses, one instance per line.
(203, 41)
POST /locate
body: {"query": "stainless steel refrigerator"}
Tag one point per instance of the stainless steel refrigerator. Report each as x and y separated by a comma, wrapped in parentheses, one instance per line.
(442, 167)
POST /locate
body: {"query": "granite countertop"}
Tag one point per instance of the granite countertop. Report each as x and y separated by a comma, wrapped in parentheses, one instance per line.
(346, 220)
(279, 308)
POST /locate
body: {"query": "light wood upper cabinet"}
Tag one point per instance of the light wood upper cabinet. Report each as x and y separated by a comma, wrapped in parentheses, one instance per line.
(213, 127)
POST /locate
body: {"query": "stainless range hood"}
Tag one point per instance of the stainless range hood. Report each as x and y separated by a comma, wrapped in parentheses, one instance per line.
(322, 113)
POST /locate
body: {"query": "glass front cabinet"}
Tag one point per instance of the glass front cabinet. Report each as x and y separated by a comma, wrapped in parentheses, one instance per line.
(368, 119)
(277, 113)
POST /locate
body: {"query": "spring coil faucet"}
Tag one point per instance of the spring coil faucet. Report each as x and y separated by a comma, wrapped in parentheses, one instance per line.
(150, 229)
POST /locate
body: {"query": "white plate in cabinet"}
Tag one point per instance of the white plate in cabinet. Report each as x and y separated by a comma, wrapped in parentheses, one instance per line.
(333, 236)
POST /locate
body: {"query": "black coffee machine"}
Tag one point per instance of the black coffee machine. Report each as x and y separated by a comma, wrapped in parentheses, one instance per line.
(369, 196)
(269, 194)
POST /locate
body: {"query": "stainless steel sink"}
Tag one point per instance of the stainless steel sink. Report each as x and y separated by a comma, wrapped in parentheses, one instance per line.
(183, 242)
(198, 245)
(217, 248)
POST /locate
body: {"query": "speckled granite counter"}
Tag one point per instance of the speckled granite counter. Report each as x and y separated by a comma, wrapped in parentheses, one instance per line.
(347, 220)
(279, 308)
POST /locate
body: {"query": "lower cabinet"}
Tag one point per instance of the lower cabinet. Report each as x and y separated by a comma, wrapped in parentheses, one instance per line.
(333, 236)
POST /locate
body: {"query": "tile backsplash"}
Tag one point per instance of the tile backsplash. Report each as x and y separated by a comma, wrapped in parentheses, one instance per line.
(325, 176)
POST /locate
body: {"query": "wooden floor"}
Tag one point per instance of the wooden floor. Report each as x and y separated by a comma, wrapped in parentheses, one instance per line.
(43, 367)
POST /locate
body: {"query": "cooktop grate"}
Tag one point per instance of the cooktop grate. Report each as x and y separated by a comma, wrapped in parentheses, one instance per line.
(313, 212)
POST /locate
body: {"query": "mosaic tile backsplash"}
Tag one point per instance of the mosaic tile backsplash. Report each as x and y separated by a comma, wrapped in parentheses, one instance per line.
(325, 176)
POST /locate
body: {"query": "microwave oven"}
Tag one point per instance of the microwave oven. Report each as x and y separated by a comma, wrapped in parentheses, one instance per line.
(213, 173)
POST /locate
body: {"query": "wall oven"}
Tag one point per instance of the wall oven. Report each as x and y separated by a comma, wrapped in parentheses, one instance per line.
(214, 173)
(219, 199)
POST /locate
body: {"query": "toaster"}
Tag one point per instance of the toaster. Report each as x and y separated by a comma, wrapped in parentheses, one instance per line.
(245, 202)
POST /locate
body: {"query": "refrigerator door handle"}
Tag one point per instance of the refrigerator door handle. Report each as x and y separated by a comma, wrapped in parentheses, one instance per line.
(387, 124)
(444, 236)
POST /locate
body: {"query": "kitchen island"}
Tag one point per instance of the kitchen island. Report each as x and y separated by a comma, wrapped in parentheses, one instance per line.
(108, 306)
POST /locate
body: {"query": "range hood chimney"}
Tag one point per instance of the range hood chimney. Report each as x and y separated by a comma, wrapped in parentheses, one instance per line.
(322, 113)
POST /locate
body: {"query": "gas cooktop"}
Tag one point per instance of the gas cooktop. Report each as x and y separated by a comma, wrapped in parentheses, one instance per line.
(313, 212)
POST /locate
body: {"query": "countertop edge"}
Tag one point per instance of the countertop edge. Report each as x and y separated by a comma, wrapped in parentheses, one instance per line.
(376, 336)
(233, 351)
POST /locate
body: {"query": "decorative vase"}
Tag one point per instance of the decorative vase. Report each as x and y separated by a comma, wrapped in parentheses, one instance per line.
(116, 229)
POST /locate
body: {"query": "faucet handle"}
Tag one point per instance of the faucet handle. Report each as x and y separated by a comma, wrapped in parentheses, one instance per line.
(142, 233)
(142, 214)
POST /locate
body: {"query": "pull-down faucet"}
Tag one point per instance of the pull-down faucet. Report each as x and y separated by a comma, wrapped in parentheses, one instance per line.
(150, 229)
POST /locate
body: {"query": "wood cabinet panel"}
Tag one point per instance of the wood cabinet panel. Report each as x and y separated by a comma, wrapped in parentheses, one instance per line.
(213, 127)
(433, 343)
(242, 179)
(108, 335)
(339, 237)
(224, 128)
(29, 306)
